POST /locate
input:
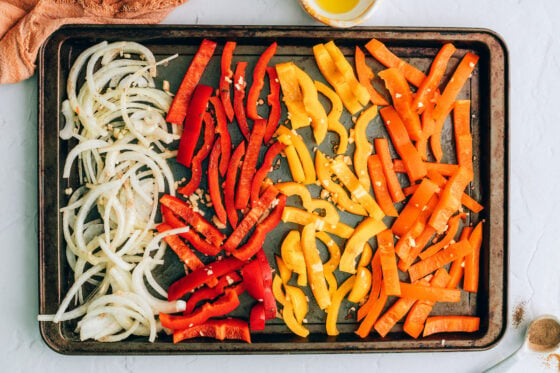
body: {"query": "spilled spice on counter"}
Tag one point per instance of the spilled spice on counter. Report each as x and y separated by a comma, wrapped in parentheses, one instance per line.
(518, 314)
(544, 334)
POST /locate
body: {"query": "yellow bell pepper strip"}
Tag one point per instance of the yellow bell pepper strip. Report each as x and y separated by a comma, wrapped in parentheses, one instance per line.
(368, 228)
(333, 118)
(351, 182)
(294, 163)
(413, 208)
(302, 217)
(328, 68)
(332, 312)
(331, 213)
(291, 321)
(297, 297)
(338, 194)
(362, 285)
(277, 290)
(292, 96)
(291, 188)
(292, 256)
(313, 107)
(303, 153)
(334, 258)
(388, 262)
(376, 283)
(347, 72)
(315, 273)
(363, 146)
(365, 76)
(284, 271)
(366, 257)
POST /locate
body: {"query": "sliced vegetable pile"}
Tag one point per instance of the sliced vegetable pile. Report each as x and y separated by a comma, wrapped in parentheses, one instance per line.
(415, 224)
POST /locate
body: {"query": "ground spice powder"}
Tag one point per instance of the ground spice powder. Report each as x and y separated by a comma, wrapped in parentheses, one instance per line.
(544, 333)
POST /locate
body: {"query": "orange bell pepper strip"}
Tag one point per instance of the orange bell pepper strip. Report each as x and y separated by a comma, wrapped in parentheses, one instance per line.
(292, 95)
(373, 314)
(423, 292)
(397, 311)
(342, 65)
(294, 163)
(472, 260)
(428, 129)
(439, 324)
(402, 101)
(366, 257)
(292, 255)
(283, 270)
(453, 228)
(387, 58)
(369, 227)
(388, 262)
(463, 138)
(415, 167)
(382, 150)
(313, 107)
(446, 101)
(414, 207)
(334, 308)
(277, 290)
(297, 297)
(351, 182)
(450, 200)
(429, 86)
(302, 151)
(362, 285)
(458, 79)
(408, 249)
(363, 148)
(365, 75)
(445, 256)
(379, 183)
(314, 265)
(333, 118)
(376, 282)
(329, 70)
(288, 314)
(302, 217)
(258, 81)
(338, 194)
(414, 323)
(457, 267)
(334, 258)
(442, 168)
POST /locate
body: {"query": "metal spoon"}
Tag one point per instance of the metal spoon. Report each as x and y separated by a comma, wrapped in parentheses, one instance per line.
(526, 348)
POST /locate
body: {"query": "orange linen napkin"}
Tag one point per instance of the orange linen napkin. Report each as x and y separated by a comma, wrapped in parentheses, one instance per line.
(25, 24)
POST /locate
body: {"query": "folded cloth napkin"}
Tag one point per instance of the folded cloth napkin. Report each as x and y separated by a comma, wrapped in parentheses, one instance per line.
(25, 24)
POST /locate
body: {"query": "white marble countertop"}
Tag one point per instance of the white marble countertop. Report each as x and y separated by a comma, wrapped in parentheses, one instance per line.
(530, 29)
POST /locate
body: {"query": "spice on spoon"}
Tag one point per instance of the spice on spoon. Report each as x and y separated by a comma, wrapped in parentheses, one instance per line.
(544, 334)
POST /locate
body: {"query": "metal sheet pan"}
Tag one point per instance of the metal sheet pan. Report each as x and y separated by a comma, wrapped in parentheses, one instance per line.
(488, 91)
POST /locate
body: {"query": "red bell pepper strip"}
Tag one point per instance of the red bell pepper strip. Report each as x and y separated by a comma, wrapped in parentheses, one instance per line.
(182, 250)
(196, 169)
(222, 130)
(225, 78)
(269, 300)
(202, 276)
(193, 124)
(224, 305)
(194, 219)
(214, 184)
(249, 164)
(229, 188)
(273, 100)
(218, 329)
(181, 102)
(251, 218)
(260, 175)
(257, 318)
(252, 278)
(239, 84)
(256, 241)
(208, 293)
(191, 236)
(258, 81)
